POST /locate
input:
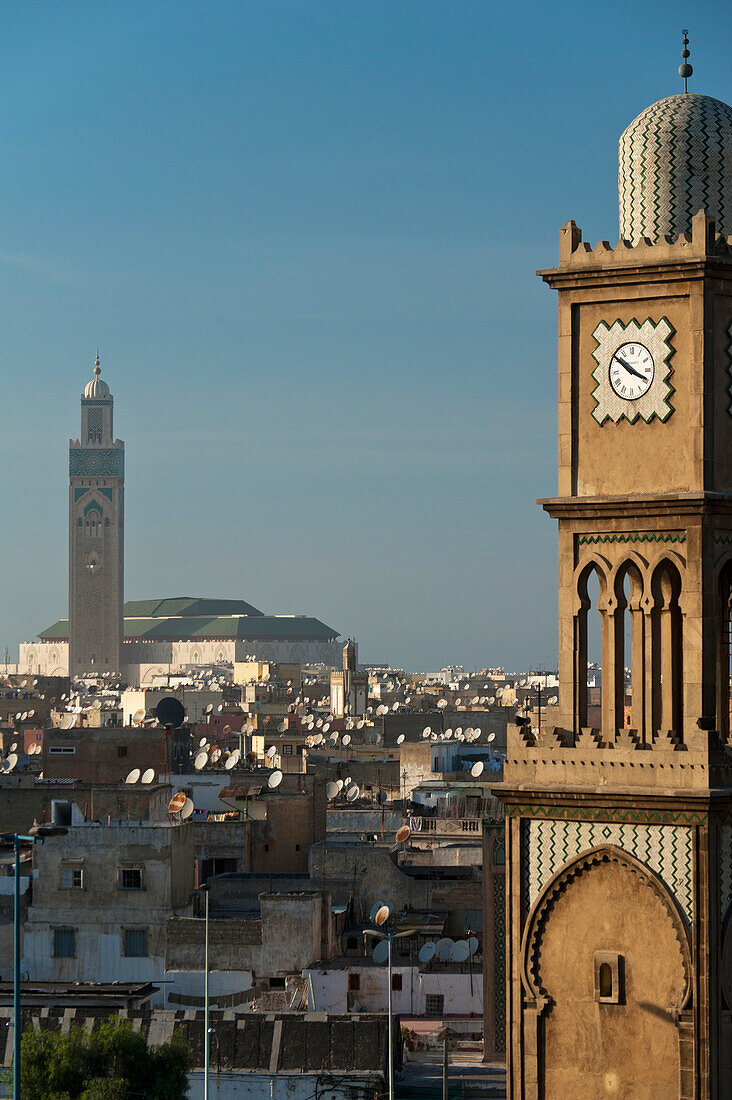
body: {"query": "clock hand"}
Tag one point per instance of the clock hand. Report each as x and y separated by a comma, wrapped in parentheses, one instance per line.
(628, 367)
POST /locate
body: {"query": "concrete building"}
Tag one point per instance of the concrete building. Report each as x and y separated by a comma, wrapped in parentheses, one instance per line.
(101, 897)
(619, 840)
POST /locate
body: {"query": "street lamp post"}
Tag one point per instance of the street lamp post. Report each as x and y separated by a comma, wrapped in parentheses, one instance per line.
(206, 1041)
(16, 841)
(389, 937)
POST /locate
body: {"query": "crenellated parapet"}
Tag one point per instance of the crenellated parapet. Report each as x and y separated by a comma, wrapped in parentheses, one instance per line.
(700, 243)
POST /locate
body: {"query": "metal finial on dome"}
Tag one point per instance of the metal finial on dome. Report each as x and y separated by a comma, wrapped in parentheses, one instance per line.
(97, 368)
(685, 69)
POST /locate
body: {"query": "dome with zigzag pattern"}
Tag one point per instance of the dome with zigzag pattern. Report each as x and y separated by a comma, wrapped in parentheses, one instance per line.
(675, 159)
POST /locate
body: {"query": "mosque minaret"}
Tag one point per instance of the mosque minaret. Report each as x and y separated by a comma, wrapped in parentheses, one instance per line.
(96, 536)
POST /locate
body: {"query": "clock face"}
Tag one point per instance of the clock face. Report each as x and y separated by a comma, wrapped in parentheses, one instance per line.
(631, 371)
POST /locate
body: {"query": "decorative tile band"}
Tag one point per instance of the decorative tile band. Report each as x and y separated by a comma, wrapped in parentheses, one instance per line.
(666, 849)
(657, 537)
(729, 366)
(723, 540)
(611, 813)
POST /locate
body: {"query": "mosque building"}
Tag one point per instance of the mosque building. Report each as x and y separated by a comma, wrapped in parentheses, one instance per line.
(139, 640)
(618, 838)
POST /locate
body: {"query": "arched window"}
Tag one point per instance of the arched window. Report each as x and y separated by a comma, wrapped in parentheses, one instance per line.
(606, 980)
(724, 652)
(629, 646)
(667, 671)
(588, 643)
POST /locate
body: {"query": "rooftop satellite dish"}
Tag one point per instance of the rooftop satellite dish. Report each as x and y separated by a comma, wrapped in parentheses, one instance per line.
(177, 802)
(215, 755)
(202, 742)
(24, 716)
(442, 703)
(280, 729)
(331, 790)
(326, 727)
(448, 733)
(32, 712)
(491, 737)
(374, 910)
(14, 746)
(477, 769)
(96, 705)
(148, 775)
(347, 781)
(274, 780)
(200, 761)
(187, 809)
(231, 762)
(227, 729)
(476, 732)
(458, 729)
(333, 740)
(339, 784)
(346, 740)
(138, 716)
(460, 951)
(271, 752)
(403, 834)
(473, 944)
(492, 700)
(11, 761)
(360, 724)
(352, 793)
(381, 952)
(433, 736)
(220, 707)
(319, 722)
(67, 722)
(443, 949)
(382, 915)
(427, 952)
(133, 776)
(400, 739)
(208, 709)
(426, 731)
(170, 712)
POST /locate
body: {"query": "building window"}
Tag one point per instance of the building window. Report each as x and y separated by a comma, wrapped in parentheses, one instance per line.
(129, 878)
(135, 943)
(297, 847)
(287, 750)
(276, 983)
(64, 943)
(121, 750)
(72, 877)
(354, 982)
(396, 982)
(434, 1004)
(352, 943)
(609, 978)
(61, 750)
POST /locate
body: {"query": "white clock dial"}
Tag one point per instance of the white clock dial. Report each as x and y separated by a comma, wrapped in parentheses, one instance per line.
(631, 371)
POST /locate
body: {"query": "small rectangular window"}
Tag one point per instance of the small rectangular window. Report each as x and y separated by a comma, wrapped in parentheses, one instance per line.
(129, 878)
(434, 1004)
(276, 983)
(61, 750)
(135, 943)
(64, 943)
(396, 982)
(121, 750)
(72, 878)
(287, 750)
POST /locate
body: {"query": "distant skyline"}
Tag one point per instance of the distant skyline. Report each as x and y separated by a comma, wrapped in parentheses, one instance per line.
(303, 236)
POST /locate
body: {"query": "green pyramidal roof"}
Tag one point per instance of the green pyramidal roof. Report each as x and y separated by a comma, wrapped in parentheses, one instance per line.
(193, 617)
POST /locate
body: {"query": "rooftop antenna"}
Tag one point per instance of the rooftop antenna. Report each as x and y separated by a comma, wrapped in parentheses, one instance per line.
(685, 69)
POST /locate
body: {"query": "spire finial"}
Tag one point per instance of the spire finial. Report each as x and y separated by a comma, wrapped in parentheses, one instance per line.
(685, 69)
(97, 368)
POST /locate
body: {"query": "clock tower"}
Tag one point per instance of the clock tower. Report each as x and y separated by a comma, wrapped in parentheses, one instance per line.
(96, 537)
(619, 838)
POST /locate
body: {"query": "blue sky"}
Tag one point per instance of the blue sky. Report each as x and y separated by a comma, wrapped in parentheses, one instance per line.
(303, 235)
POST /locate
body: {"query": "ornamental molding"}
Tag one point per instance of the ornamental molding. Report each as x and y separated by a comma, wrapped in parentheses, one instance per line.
(655, 336)
(621, 816)
(660, 536)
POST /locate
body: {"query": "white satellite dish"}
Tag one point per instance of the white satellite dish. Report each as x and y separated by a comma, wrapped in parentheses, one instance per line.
(148, 775)
(133, 776)
(333, 740)
(381, 952)
(187, 809)
(282, 727)
(331, 790)
(443, 949)
(14, 746)
(275, 779)
(200, 761)
(382, 914)
(339, 784)
(326, 727)
(400, 739)
(231, 762)
(271, 752)
(96, 705)
(11, 761)
(477, 769)
(360, 724)
(491, 737)
(427, 952)
(346, 740)
(216, 755)
(460, 951)
(352, 793)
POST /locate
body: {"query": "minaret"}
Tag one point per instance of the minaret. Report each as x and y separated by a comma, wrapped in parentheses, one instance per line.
(96, 537)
